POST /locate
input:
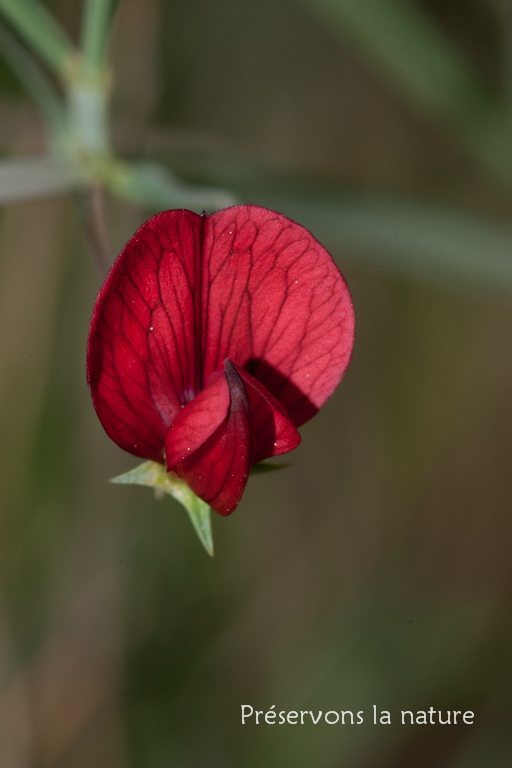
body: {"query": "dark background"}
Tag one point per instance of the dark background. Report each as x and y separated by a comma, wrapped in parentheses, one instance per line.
(377, 568)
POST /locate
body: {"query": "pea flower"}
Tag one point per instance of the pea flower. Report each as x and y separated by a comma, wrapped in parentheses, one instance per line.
(212, 339)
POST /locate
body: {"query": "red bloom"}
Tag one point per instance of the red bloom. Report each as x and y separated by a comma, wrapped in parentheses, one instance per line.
(212, 339)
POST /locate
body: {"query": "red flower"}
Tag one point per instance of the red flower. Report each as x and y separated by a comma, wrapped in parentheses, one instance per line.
(212, 339)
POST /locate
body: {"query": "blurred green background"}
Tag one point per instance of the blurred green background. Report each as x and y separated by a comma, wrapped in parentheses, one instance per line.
(377, 568)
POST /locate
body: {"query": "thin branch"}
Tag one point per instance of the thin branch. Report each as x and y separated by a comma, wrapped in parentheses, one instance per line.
(96, 229)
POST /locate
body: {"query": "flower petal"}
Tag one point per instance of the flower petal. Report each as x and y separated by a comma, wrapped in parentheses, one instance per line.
(274, 433)
(198, 420)
(218, 468)
(142, 357)
(274, 302)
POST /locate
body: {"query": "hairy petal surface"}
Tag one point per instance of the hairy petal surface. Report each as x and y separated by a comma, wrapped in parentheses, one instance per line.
(274, 302)
(217, 469)
(143, 341)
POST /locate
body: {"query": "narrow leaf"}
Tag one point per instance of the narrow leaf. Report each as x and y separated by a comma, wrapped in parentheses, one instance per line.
(154, 187)
(36, 25)
(420, 60)
(30, 177)
(406, 44)
(34, 79)
(427, 242)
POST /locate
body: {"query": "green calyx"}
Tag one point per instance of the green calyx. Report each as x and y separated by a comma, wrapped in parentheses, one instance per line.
(154, 475)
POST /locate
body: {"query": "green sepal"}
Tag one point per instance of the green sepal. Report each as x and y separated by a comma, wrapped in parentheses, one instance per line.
(265, 466)
(154, 475)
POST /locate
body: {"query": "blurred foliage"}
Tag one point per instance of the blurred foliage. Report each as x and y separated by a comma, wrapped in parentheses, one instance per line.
(376, 568)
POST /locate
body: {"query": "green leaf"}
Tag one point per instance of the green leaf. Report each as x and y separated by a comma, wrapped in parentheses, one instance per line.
(155, 187)
(34, 79)
(30, 177)
(153, 474)
(431, 243)
(405, 43)
(425, 242)
(420, 60)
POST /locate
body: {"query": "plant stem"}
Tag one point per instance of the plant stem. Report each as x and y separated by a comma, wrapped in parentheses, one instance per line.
(31, 177)
(40, 31)
(88, 85)
(34, 79)
(96, 23)
(88, 118)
